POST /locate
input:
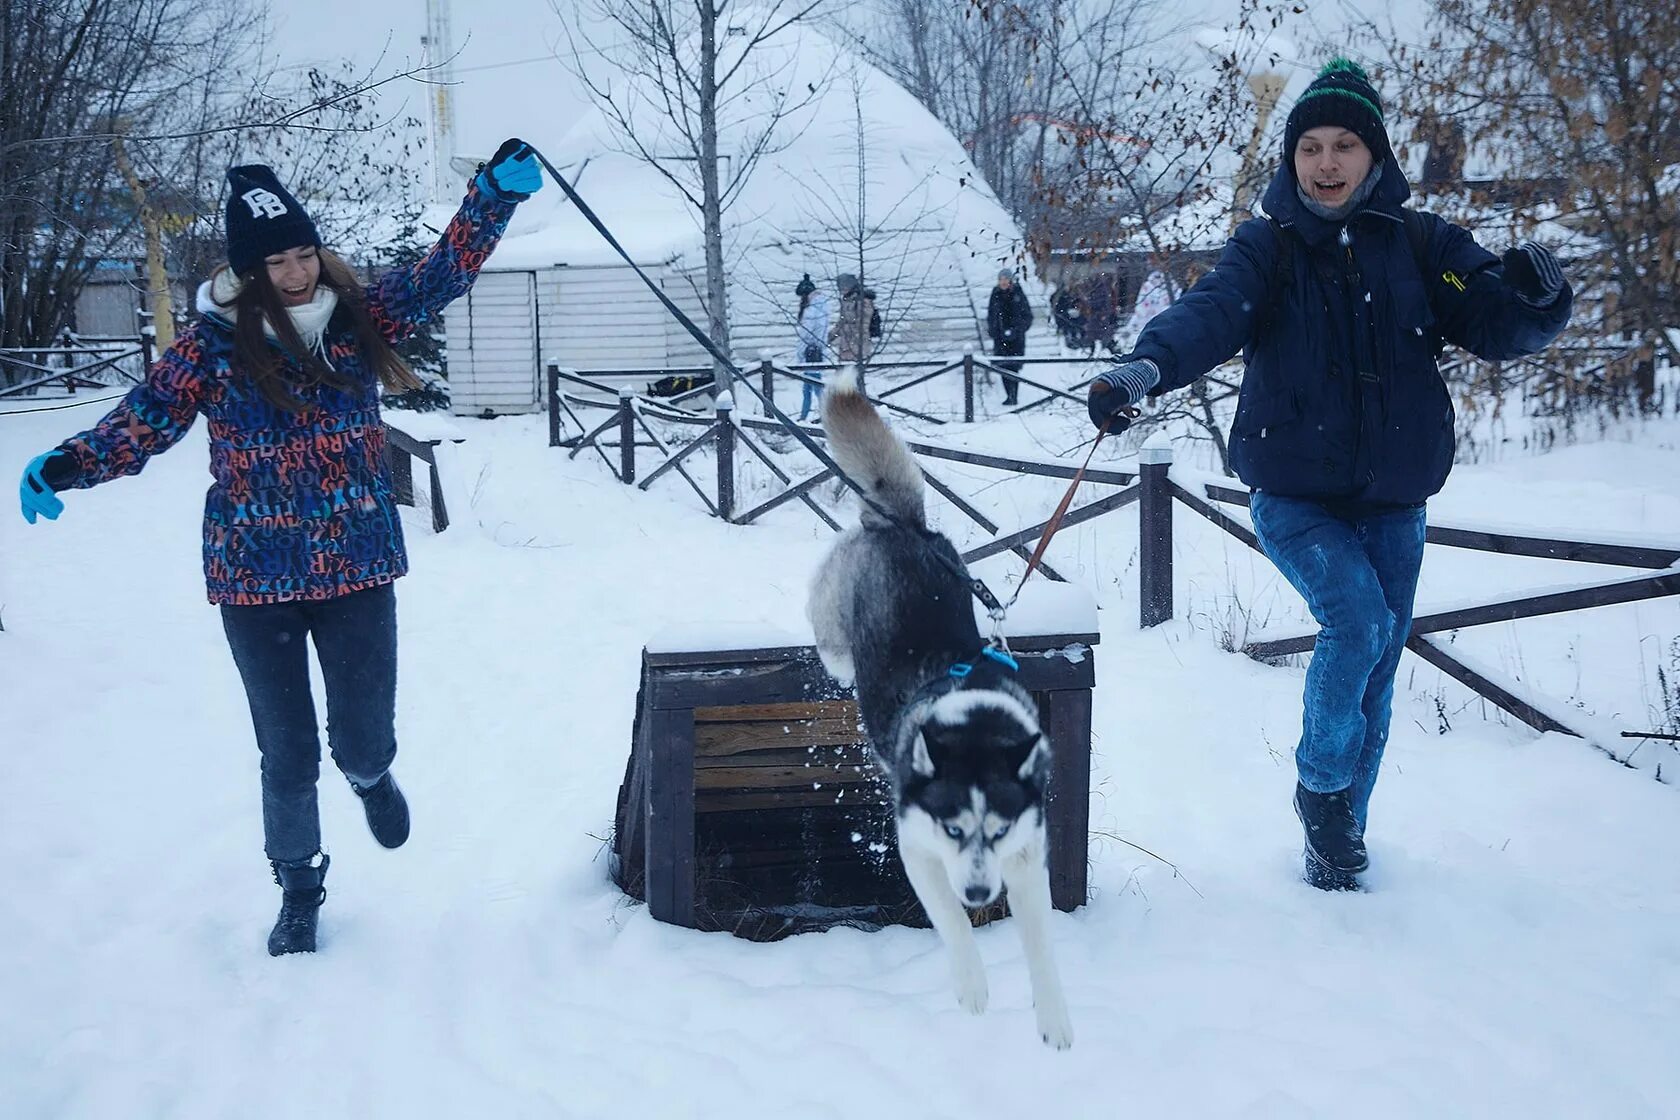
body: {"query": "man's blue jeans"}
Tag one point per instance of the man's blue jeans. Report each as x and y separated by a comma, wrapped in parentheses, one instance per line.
(355, 639)
(1359, 576)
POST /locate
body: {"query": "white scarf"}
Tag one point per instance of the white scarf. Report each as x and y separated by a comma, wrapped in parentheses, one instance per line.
(216, 297)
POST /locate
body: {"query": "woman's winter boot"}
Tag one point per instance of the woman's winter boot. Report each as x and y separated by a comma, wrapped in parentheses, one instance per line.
(302, 892)
(386, 809)
(1334, 836)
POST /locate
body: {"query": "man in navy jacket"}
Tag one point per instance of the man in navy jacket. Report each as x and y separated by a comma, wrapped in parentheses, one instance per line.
(1339, 301)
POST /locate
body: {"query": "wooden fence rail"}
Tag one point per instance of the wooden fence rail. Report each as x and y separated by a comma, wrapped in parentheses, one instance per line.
(401, 449)
(1155, 493)
(25, 371)
(1534, 712)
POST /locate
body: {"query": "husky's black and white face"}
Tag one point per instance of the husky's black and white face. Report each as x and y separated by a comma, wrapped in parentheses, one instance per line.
(975, 797)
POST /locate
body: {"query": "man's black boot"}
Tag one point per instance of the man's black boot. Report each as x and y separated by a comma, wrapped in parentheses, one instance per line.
(1334, 837)
(1315, 874)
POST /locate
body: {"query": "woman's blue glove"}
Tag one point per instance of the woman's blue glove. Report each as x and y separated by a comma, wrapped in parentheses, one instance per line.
(512, 174)
(37, 493)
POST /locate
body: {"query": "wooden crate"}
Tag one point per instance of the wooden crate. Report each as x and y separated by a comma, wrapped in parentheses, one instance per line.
(751, 802)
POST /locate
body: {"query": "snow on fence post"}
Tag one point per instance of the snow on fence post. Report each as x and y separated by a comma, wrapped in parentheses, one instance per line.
(553, 403)
(1155, 576)
(767, 380)
(968, 383)
(725, 456)
(626, 434)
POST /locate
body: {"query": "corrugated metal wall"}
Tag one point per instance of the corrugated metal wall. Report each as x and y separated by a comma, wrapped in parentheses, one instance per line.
(493, 346)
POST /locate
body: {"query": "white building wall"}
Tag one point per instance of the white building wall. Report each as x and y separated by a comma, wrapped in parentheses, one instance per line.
(602, 318)
(493, 346)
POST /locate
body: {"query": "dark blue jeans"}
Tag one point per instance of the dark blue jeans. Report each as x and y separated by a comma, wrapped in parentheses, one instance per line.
(355, 640)
(1359, 576)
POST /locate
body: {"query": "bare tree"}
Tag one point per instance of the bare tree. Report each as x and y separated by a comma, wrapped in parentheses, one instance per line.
(890, 240)
(997, 75)
(72, 78)
(1580, 100)
(88, 88)
(1145, 168)
(693, 91)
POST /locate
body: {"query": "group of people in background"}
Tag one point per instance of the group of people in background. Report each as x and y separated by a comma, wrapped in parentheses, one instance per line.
(1084, 313)
(1087, 311)
(847, 334)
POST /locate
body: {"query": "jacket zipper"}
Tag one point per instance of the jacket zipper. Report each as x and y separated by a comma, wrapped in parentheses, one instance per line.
(1362, 356)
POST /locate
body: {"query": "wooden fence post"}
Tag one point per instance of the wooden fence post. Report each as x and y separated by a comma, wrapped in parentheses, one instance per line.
(968, 384)
(726, 456)
(1155, 575)
(767, 381)
(402, 474)
(626, 434)
(554, 404)
(440, 508)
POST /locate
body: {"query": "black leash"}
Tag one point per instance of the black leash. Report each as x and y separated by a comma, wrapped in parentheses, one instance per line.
(994, 608)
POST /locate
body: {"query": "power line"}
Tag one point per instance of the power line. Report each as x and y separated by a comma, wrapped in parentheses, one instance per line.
(505, 65)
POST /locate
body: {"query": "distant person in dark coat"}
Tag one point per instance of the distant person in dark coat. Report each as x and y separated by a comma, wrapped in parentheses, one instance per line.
(1103, 294)
(1339, 301)
(1069, 318)
(1008, 315)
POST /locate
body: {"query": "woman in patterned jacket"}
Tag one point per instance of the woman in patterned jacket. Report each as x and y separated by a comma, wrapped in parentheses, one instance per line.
(301, 533)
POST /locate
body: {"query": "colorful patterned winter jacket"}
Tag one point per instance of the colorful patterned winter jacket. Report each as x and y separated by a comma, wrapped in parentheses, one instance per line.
(301, 506)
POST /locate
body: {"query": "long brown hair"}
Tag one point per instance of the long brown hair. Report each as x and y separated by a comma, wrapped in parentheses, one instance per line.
(256, 358)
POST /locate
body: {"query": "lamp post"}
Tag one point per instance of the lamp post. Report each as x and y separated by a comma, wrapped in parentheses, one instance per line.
(1267, 88)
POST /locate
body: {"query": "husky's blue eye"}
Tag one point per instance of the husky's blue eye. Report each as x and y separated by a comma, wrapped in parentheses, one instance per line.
(954, 831)
(999, 834)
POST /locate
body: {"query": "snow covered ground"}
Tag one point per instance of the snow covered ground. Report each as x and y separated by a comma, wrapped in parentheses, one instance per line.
(1516, 954)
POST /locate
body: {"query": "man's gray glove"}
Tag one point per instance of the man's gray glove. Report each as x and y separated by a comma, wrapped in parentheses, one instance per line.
(1117, 390)
(1534, 273)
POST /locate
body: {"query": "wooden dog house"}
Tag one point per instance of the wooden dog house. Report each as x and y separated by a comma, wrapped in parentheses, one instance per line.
(751, 802)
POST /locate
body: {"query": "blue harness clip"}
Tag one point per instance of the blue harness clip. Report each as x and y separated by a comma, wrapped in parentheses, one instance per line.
(963, 668)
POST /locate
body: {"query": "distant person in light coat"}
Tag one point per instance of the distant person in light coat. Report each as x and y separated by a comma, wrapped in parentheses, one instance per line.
(811, 340)
(852, 334)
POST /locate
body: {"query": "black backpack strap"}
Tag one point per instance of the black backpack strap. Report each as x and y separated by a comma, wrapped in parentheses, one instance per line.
(1283, 268)
(1417, 233)
(1283, 265)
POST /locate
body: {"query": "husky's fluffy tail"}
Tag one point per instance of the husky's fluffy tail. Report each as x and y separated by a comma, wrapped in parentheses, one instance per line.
(869, 451)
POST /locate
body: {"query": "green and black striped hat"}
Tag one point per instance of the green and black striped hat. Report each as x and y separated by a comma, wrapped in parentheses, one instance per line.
(1341, 95)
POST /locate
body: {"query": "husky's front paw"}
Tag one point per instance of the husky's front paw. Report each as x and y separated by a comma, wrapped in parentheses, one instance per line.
(968, 975)
(1054, 1027)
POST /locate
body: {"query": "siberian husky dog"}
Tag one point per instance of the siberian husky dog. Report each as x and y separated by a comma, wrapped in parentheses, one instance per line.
(957, 737)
